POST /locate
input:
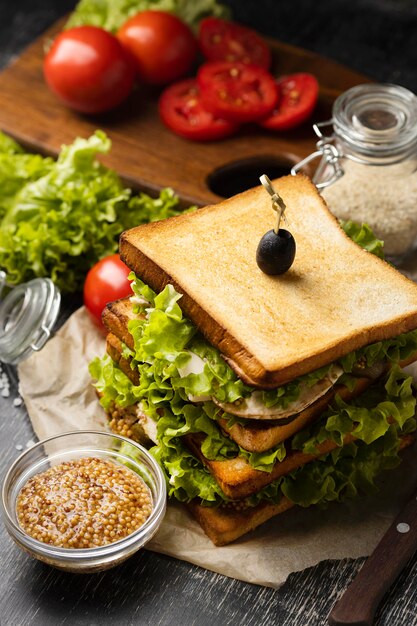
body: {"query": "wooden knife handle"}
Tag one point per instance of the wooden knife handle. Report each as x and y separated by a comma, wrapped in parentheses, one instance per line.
(358, 604)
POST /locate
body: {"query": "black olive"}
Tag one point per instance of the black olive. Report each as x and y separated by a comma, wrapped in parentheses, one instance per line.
(275, 253)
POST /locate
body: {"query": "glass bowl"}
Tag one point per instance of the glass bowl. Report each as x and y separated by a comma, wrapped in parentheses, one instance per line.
(76, 445)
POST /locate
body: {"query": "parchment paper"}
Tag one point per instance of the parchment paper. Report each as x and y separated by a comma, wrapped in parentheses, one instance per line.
(56, 387)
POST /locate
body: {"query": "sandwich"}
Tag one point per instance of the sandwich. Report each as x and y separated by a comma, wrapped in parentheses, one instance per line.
(258, 393)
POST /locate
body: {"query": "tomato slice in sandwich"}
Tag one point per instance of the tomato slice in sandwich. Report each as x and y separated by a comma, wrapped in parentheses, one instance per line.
(236, 91)
(182, 111)
(221, 40)
(298, 95)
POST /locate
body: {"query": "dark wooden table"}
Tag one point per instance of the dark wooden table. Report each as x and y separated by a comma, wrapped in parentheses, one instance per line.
(378, 38)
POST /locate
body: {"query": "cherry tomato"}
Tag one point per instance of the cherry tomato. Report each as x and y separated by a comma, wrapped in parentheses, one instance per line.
(221, 40)
(298, 97)
(162, 46)
(105, 282)
(236, 91)
(88, 69)
(181, 111)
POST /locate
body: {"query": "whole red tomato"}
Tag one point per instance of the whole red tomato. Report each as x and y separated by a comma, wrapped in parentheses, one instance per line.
(221, 40)
(105, 282)
(88, 69)
(162, 46)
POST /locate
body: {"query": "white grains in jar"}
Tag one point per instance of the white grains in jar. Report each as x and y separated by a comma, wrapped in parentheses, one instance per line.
(83, 503)
(385, 198)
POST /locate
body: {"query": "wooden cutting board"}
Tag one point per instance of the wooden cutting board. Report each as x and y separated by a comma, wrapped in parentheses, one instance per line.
(145, 154)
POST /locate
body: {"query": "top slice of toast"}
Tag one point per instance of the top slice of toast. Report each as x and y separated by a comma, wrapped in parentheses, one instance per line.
(335, 298)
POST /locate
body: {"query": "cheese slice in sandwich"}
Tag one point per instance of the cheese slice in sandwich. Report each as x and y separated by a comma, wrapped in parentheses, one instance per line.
(260, 392)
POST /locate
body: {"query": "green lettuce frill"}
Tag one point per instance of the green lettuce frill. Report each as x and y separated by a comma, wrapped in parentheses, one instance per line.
(111, 14)
(57, 218)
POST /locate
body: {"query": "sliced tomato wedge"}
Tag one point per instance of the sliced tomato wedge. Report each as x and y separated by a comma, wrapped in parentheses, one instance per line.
(298, 95)
(221, 40)
(182, 111)
(236, 91)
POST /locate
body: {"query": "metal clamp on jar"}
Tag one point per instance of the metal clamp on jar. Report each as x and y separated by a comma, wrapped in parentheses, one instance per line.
(27, 315)
(368, 162)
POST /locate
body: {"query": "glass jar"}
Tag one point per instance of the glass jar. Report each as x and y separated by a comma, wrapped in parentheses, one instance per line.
(368, 163)
(72, 446)
(28, 313)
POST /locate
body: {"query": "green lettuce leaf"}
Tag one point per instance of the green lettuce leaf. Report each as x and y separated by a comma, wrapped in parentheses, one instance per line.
(57, 218)
(158, 395)
(112, 384)
(393, 350)
(367, 417)
(111, 14)
(9, 145)
(16, 170)
(352, 470)
(337, 476)
(364, 237)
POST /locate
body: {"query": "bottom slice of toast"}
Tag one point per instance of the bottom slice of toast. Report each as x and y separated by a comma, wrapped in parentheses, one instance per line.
(228, 522)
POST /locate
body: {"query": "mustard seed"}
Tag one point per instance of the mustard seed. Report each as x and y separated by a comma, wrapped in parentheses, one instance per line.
(83, 503)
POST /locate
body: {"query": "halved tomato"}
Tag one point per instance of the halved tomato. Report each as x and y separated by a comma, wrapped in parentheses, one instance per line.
(236, 91)
(298, 95)
(182, 111)
(221, 40)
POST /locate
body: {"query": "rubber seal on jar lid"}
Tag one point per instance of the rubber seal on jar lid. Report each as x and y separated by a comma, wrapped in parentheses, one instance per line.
(377, 120)
(27, 316)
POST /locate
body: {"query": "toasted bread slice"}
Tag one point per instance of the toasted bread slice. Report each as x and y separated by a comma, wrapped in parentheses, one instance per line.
(256, 437)
(335, 298)
(114, 349)
(225, 524)
(238, 479)
(116, 316)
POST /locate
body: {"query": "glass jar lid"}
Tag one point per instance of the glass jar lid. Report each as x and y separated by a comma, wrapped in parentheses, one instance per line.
(27, 315)
(377, 121)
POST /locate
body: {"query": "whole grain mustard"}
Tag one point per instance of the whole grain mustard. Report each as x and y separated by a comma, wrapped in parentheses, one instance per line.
(83, 503)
